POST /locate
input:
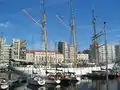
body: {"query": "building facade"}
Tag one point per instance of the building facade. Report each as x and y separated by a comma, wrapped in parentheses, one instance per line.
(110, 52)
(83, 57)
(101, 54)
(39, 57)
(6, 53)
(71, 52)
(5, 50)
(117, 52)
(19, 49)
(63, 48)
(94, 54)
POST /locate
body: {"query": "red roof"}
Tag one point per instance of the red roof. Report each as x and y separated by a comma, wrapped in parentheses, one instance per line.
(33, 51)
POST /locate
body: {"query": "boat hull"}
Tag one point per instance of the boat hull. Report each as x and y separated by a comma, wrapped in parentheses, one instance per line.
(4, 86)
(47, 81)
(37, 83)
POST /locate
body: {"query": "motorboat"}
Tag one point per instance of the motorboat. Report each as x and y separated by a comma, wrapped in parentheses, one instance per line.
(4, 84)
(52, 78)
(36, 80)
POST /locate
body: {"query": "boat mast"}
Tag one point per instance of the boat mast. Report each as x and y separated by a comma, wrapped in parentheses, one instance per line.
(33, 51)
(44, 31)
(73, 32)
(1, 40)
(56, 51)
(42, 26)
(95, 44)
(106, 54)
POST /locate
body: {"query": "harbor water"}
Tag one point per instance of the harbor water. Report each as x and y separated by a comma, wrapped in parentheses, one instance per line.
(83, 85)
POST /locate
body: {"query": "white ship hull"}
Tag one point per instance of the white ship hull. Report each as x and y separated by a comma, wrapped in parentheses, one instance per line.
(42, 71)
(4, 86)
(52, 81)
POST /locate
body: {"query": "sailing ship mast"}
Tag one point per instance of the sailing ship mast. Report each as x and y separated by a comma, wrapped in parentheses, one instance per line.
(106, 54)
(33, 49)
(44, 31)
(73, 32)
(42, 26)
(1, 40)
(95, 43)
(71, 29)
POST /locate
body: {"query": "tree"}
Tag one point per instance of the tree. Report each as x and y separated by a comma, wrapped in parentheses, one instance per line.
(87, 51)
(79, 52)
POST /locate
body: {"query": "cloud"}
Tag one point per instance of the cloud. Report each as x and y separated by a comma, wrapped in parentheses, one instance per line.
(5, 24)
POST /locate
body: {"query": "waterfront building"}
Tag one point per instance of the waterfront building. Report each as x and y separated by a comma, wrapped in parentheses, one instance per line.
(19, 49)
(101, 54)
(39, 57)
(2, 41)
(6, 52)
(110, 51)
(71, 52)
(117, 52)
(93, 54)
(83, 57)
(63, 48)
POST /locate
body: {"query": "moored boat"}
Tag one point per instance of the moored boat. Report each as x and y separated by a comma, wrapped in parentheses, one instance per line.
(52, 78)
(4, 84)
(36, 80)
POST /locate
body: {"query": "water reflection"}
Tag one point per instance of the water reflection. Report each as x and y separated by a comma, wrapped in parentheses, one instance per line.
(88, 85)
(94, 85)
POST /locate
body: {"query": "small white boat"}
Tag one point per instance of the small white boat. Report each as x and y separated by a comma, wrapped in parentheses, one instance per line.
(4, 84)
(37, 80)
(52, 79)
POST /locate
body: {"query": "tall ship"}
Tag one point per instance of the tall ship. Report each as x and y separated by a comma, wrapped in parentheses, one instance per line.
(45, 68)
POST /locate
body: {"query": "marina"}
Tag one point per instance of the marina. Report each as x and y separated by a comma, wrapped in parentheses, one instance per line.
(27, 65)
(84, 85)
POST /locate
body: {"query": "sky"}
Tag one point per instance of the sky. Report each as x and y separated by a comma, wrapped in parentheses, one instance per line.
(15, 24)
